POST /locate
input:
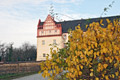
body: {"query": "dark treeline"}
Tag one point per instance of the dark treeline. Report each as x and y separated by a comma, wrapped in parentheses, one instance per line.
(8, 53)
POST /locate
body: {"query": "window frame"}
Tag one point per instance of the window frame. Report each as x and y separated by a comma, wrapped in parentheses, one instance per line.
(64, 36)
(54, 41)
(55, 30)
(49, 31)
(43, 42)
(42, 32)
(44, 55)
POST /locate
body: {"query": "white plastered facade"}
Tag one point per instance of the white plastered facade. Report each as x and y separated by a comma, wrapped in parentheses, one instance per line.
(45, 49)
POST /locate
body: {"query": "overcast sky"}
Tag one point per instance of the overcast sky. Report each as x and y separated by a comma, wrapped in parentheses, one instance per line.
(19, 18)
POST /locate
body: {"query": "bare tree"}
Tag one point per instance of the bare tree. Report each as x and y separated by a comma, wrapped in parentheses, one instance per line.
(26, 52)
(3, 50)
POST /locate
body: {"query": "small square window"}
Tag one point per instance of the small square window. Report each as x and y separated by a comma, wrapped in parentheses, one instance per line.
(42, 32)
(54, 41)
(64, 45)
(55, 30)
(64, 36)
(43, 42)
(44, 55)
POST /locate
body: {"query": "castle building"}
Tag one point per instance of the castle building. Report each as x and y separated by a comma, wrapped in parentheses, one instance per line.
(52, 32)
(48, 33)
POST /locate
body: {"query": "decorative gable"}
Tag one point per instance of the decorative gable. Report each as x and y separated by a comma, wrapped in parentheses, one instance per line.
(49, 23)
(49, 28)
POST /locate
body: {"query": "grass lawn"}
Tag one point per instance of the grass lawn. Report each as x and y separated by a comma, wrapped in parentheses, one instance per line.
(15, 75)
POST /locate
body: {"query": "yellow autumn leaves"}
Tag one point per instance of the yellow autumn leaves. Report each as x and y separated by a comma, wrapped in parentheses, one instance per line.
(91, 55)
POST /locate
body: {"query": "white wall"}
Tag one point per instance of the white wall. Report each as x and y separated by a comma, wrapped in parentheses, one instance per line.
(46, 48)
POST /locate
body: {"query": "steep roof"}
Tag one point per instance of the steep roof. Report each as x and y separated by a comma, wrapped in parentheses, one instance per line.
(66, 25)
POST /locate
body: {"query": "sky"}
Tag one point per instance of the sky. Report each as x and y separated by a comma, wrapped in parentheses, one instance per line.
(19, 18)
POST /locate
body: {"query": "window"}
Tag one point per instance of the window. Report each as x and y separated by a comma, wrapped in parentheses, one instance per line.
(44, 54)
(49, 31)
(64, 45)
(55, 30)
(42, 32)
(64, 36)
(43, 42)
(54, 41)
